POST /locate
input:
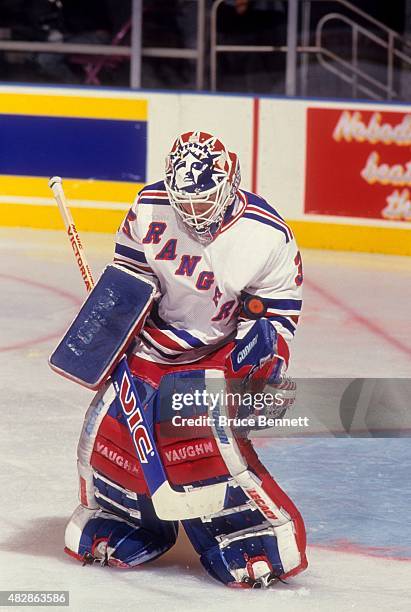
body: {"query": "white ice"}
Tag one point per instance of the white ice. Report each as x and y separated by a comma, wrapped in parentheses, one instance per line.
(356, 323)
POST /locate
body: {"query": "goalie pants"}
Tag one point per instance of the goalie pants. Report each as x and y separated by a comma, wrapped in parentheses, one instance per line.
(258, 533)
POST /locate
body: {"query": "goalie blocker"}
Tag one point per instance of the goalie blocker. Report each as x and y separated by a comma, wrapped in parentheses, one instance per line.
(109, 319)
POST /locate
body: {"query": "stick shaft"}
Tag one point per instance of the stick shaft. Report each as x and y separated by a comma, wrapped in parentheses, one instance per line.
(56, 186)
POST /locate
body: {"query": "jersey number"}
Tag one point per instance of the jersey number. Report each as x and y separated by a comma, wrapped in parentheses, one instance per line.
(298, 262)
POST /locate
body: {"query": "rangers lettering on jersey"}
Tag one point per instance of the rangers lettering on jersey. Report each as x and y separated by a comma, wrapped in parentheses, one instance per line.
(200, 285)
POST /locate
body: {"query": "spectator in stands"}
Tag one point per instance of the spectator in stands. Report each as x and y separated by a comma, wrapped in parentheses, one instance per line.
(94, 22)
(36, 19)
(30, 20)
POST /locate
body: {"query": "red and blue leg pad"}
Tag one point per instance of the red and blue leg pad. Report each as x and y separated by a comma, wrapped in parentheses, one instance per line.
(242, 545)
(228, 542)
(118, 526)
(105, 537)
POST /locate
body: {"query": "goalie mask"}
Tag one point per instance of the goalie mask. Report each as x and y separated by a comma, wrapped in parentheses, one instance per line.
(202, 179)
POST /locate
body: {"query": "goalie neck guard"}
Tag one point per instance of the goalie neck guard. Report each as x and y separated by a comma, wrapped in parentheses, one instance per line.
(202, 179)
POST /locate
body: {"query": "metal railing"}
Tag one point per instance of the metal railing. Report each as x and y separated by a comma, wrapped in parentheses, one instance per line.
(197, 54)
(135, 52)
(348, 71)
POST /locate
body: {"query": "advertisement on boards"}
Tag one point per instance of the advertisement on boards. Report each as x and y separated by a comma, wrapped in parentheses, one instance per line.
(358, 164)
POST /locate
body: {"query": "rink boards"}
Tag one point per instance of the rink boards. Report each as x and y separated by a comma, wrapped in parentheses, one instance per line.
(336, 170)
(97, 144)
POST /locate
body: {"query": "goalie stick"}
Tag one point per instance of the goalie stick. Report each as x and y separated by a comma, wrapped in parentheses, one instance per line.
(169, 504)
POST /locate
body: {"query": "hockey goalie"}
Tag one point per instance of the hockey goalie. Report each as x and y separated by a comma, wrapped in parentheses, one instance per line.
(203, 296)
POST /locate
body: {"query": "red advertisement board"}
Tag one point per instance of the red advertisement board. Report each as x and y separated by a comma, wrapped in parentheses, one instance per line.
(358, 164)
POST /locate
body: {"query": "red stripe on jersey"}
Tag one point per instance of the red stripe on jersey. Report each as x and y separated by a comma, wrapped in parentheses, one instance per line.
(268, 215)
(237, 216)
(131, 262)
(164, 340)
(154, 194)
(293, 318)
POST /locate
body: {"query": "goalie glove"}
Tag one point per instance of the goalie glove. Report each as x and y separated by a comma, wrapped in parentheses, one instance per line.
(254, 369)
(285, 389)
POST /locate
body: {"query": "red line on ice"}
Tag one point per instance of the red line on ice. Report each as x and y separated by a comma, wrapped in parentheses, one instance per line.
(59, 292)
(361, 549)
(372, 327)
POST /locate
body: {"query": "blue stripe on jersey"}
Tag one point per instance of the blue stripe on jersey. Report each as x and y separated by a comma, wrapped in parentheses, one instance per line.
(283, 304)
(266, 221)
(130, 253)
(127, 265)
(134, 267)
(157, 186)
(150, 199)
(159, 351)
(284, 322)
(153, 200)
(180, 333)
(260, 203)
(255, 200)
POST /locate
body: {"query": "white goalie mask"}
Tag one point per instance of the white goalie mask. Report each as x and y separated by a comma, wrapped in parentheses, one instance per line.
(202, 180)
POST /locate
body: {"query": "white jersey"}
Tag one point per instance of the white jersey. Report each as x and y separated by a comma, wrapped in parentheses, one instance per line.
(201, 286)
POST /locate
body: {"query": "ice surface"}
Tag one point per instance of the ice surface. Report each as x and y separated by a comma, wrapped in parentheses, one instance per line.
(353, 493)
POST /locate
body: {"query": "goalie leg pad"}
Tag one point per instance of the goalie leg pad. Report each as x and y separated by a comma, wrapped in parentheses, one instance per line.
(97, 536)
(246, 558)
(111, 316)
(261, 553)
(256, 539)
(94, 417)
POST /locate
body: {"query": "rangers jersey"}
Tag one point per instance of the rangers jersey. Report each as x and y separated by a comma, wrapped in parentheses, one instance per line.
(202, 287)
